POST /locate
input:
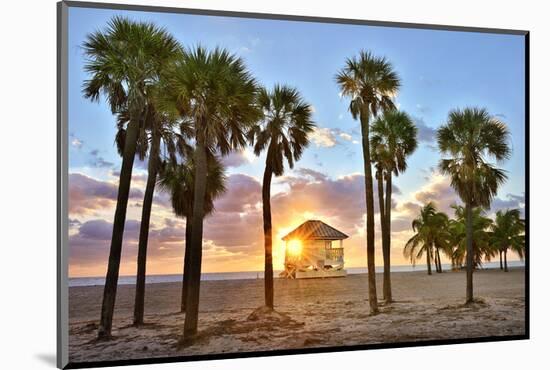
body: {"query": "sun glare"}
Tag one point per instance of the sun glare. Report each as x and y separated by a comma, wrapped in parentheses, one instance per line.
(294, 247)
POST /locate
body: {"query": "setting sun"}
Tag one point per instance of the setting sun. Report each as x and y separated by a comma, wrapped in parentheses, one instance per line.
(294, 247)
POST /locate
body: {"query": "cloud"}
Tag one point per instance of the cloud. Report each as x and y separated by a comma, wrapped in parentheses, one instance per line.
(138, 163)
(323, 137)
(426, 134)
(329, 137)
(345, 136)
(236, 232)
(422, 108)
(75, 141)
(102, 230)
(87, 194)
(439, 191)
(243, 192)
(339, 201)
(89, 247)
(73, 222)
(236, 159)
(510, 202)
(315, 175)
(98, 161)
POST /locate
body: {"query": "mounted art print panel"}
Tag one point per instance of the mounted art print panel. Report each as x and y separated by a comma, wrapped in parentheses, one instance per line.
(238, 184)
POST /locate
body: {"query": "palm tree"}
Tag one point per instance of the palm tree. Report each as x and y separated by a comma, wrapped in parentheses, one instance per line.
(124, 62)
(482, 247)
(214, 93)
(470, 137)
(507, 232)
(370, 82)
(178, 180)
(430, 229)
(393, 140)
(283, 132)
(155, 134)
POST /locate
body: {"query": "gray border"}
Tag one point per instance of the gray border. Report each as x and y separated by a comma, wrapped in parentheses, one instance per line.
(289, 17)
(62, 187)
(62, 180)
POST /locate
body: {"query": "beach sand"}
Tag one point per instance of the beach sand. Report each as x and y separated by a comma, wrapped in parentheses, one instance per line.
(310, 313)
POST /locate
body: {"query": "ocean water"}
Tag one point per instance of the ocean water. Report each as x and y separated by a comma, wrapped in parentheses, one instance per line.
(152, 279)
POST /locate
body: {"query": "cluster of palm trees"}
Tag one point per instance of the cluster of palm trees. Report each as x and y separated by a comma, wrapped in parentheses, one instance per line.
(469, 138)
(436, 234)
(184, 109)
(467, 141)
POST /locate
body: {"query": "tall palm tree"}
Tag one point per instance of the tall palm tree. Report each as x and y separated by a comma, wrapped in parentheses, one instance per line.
(178, 180)
(213, 92)
(482, 248)
(469, 138)
(393, 140)
(283, 133)
(155, 135)
(370, 82)
(124, 61)
(507, 232)
(430, 229)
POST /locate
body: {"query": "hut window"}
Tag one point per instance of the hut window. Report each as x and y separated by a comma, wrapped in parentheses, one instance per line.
(328, 244)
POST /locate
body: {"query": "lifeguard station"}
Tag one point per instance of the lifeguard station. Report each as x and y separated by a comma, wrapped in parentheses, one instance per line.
(314, 250)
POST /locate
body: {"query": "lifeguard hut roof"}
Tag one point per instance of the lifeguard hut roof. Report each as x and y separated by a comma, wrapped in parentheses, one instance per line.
(315, 230)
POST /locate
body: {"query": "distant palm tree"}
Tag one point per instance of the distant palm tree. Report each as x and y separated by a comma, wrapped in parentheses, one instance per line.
(430, 229)
(178, 180)
(371, 83)
(125, 62)
(283, 132)
(470, 137)
(507, 232)
(213, 92)
(482, 247)
(393, 139)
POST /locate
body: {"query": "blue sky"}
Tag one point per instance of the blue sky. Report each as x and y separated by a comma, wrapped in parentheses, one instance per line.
(439, 70)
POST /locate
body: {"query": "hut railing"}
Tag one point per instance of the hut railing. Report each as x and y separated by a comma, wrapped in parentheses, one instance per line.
(334, 253)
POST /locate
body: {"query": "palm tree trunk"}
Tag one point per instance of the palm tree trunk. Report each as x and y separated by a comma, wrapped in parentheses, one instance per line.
(268, 270)
(369, 192)
(386, 235)
(438, 261)
(152, 169)
(381, 202)
(186, 261)
(195, 252)
(111, 279)
(506, 260)
(429, 258)
(500, 255)
(469, 256)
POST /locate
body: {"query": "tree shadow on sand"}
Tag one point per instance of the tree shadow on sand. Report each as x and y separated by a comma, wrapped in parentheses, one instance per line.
(261, 320)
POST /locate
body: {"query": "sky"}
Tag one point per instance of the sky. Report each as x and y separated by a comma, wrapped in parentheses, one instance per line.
(439, 71)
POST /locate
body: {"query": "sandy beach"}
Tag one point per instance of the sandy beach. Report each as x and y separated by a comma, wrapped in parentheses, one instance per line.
(310, 313)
